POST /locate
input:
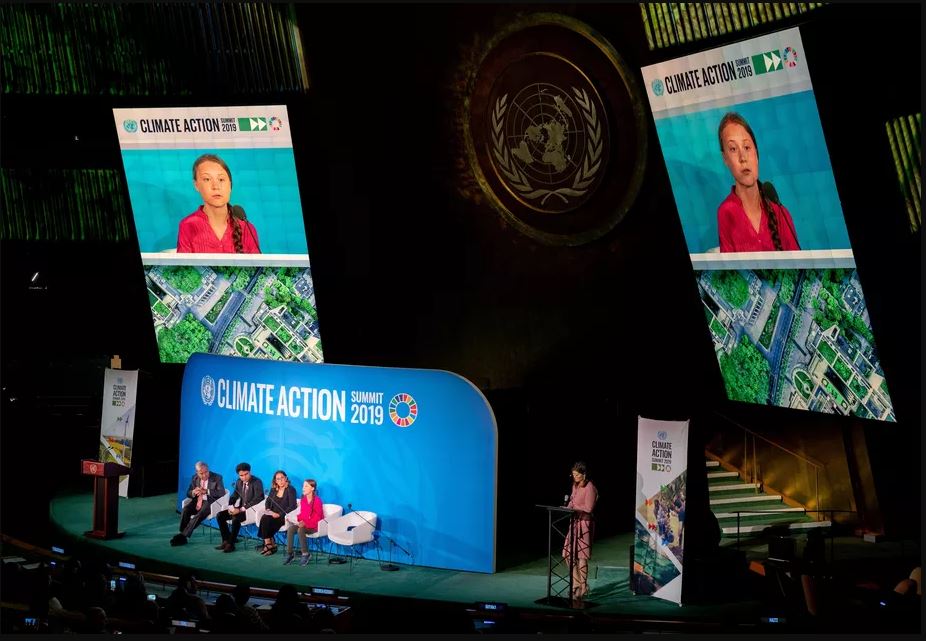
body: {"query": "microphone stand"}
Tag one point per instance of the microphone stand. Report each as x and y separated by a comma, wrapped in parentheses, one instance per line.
(385, 567)
(340, 560)
(392, 567)
(238, 212)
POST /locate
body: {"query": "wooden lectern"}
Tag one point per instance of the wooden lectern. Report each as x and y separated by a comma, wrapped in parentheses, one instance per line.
(105, 497)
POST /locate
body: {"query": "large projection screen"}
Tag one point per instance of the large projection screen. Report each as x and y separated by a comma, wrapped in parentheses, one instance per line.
(223, 247)
(762, 218)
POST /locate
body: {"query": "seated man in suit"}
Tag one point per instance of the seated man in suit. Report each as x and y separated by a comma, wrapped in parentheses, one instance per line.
(205, 488)
(249, 491)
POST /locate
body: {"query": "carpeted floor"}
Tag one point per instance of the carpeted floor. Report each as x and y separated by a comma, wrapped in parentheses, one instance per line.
(150, 522)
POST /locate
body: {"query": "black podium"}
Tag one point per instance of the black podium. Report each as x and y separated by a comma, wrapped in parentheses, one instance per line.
(105, 497)
(560, 520)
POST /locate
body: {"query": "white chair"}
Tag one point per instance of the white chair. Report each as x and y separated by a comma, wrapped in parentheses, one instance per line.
(289, 519)
(217, 506)
(331, 512)
(350, 530)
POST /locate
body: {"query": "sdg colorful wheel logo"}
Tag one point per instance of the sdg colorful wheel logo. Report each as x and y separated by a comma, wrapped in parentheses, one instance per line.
(403, 410)
(789, 55)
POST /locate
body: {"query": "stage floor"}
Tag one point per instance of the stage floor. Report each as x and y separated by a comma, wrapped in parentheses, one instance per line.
(150, 522)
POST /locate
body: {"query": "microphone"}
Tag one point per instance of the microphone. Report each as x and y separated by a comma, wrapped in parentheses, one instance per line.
(350, 508)
(273, 500)
(238, 212)
(770, 193)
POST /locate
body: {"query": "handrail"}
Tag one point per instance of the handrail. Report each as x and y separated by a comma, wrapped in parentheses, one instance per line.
(817, 466)
(831, 512)
(771, 442)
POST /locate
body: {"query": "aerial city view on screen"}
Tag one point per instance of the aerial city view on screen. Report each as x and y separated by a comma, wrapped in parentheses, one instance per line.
(796, 338)
(260, 312)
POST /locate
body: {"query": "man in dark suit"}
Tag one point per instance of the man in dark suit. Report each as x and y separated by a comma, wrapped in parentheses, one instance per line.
(205, 488)
(249, 491)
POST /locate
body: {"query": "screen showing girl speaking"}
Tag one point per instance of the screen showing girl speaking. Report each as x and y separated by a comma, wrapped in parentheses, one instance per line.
(215, 199)
(744, 149)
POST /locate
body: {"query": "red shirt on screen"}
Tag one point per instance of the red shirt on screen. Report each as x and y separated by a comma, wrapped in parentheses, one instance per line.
(738, 235)
(196, 236)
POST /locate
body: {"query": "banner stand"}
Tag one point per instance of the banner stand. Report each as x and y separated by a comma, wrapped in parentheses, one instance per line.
(117, 422)
(658, 550)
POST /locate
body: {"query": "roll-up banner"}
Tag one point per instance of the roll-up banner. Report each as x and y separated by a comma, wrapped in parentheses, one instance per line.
(416, 447)
(117, 423)
(658, 554)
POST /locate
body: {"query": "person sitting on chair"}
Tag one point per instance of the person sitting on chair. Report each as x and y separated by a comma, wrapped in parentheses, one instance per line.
(205, 488)
(280, 502)
(310, 513)
(249, 491)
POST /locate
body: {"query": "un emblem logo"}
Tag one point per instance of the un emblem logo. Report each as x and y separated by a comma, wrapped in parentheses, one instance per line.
(658, 87)
(207, 390)
(130, 126)
(560, 157)
(662, 435)
(547, 144)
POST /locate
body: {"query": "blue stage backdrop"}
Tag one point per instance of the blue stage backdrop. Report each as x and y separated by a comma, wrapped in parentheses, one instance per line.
(417, 447)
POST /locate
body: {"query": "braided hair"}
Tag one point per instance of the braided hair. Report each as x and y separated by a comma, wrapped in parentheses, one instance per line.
(236, 235)
(731, 117)
(236, 227)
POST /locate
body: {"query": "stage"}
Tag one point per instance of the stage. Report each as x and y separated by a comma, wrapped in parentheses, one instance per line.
(149, 523)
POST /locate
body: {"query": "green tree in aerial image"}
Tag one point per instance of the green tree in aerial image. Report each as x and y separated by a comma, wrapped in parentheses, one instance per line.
(185, 279)
(731, 285)
(241, 280)
(788, 281)
(176, 344)
(745, 373)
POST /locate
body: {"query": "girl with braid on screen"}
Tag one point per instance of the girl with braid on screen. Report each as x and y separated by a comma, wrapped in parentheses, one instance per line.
(216, 227)
(750, 219)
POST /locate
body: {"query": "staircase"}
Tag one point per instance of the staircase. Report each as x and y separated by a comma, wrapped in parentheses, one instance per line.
(728, 493)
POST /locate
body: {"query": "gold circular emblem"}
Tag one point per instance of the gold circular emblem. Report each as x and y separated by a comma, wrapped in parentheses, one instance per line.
(554, 129)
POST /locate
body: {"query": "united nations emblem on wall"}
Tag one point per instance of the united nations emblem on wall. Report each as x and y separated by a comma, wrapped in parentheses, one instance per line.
(554, 129)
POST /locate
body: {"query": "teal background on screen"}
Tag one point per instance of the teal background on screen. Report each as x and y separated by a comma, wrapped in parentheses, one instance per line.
(792, 156)
(264, 183)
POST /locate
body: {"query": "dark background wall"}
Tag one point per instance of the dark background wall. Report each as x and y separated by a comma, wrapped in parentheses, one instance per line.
(568, 344)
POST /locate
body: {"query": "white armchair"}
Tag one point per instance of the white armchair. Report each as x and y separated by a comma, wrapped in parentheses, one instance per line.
(331, 512)
(353, 530)
(288, 520)
(217, 506)
(251, 519)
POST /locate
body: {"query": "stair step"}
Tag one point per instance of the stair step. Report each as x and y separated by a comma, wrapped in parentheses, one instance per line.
(723, 475)
(713, 463)
(765, 511)
(766, 520)
(804, 525)
(727, 487)
(757, 498)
